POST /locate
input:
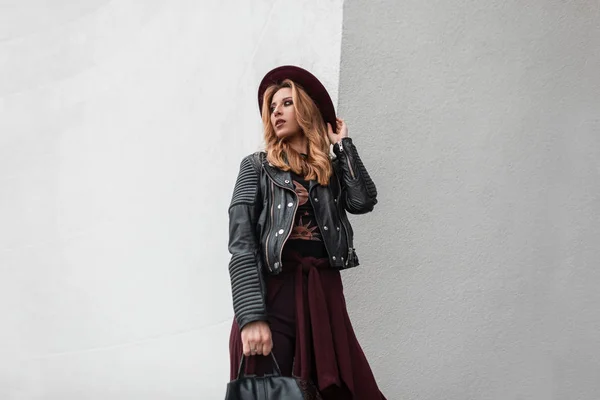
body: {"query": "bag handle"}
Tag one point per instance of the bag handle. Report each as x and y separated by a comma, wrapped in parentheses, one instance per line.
(242, 374)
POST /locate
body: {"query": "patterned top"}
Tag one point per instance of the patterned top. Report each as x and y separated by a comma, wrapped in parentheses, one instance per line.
(306, 236)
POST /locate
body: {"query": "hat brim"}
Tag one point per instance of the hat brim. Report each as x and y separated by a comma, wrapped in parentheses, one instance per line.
(313, 87)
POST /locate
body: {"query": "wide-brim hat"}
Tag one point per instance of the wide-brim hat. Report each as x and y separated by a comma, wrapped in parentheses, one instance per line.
(313, 87)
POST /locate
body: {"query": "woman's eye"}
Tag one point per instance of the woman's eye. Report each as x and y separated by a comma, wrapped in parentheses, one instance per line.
(285, 103)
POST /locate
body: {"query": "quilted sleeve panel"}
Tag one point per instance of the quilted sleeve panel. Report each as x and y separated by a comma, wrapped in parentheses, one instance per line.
(245, 271)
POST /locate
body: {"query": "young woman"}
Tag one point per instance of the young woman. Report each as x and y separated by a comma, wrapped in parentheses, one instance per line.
(289, 237)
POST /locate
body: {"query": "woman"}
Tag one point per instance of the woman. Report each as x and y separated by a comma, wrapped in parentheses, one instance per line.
(289, 237)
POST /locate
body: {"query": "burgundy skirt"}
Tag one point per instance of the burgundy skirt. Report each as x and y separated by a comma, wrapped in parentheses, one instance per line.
(313, 338)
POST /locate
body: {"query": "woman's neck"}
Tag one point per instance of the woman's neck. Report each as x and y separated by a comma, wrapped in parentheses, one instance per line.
(299, 143)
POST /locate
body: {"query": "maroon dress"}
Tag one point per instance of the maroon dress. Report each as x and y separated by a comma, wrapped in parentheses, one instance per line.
(313, 338)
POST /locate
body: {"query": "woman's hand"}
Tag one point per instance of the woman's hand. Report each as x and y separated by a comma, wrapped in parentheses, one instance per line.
(256, 338)
(341, 129)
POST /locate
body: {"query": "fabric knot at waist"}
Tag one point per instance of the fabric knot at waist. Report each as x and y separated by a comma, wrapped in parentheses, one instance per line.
(295, 260)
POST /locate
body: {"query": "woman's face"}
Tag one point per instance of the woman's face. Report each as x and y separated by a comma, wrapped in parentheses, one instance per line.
(283, 114)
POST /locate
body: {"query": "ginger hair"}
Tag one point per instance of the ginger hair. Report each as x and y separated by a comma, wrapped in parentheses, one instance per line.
(317, 165)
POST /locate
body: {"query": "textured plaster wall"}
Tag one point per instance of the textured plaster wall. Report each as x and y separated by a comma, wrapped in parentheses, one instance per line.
(480, 122)
(122, 125)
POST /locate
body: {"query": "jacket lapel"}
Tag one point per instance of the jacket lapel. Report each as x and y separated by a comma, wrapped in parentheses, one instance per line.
(281, 178)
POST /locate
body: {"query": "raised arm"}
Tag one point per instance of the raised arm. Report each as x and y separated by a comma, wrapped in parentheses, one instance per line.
(360, 190)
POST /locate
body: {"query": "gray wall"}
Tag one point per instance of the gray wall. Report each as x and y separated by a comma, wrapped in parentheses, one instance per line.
(480, 122)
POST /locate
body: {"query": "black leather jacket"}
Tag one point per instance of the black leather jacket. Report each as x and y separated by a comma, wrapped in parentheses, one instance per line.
(261, 216)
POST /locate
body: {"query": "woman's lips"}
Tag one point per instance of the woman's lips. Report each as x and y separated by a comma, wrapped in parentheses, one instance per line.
(279, 124)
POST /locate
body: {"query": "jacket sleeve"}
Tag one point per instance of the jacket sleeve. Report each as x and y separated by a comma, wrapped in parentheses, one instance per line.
(245, 266)
(360, 192)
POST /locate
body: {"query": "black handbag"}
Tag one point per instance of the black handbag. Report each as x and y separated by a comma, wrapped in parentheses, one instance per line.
(267, 387)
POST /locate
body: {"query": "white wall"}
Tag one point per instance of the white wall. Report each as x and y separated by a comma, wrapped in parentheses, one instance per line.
(122, 125)
(480, 123)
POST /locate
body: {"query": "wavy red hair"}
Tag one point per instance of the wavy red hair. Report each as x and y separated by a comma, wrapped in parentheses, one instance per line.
(317, 165)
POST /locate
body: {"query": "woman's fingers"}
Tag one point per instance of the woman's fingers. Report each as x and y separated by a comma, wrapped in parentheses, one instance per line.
(330, 133)
(267, 348)
(256, 339)
(251, 349)
(258, 348)
(264, 343)
(246, 347)
(248, 344)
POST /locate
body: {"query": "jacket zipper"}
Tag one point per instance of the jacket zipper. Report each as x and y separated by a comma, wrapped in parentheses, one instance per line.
(269, 230)
(342, 220)
(291, 224)
(347, 159)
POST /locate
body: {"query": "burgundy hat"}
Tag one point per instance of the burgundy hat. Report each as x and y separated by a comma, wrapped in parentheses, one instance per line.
(313, 87)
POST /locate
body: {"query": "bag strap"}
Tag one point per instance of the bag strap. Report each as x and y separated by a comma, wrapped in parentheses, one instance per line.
(242, 374)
